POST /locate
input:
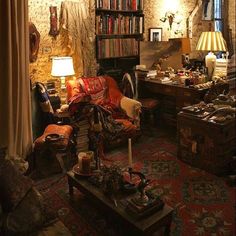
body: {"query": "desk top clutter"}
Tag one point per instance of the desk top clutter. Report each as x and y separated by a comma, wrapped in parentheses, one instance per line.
(182, 77)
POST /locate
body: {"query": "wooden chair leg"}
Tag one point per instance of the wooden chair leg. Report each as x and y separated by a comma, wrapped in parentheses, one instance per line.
(152, 117)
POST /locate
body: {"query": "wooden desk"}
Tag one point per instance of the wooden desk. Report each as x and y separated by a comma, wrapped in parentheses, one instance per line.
(172, 97)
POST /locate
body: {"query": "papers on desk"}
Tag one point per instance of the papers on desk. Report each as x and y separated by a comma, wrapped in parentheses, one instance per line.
(220, 67)
(166, 80)
(151, 74)
(162, 80)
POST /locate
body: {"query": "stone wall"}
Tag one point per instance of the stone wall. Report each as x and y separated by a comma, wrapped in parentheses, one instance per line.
(153, 10)
(231, 21)
(39, 14)
(50, 46)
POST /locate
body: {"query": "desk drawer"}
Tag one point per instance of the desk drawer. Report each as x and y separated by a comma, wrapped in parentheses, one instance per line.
(161, 88)
(168, 90)
(186, 93)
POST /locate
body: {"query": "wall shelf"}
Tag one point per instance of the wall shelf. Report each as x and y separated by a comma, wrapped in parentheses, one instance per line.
(119, 27)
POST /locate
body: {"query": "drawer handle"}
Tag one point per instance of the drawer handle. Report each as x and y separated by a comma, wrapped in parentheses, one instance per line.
(187, 94)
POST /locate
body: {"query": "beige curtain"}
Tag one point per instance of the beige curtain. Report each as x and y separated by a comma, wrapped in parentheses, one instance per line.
(15, 104)
(77, 29)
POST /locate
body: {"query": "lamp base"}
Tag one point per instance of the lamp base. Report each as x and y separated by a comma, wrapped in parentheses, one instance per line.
(210, 60)
(63, 92)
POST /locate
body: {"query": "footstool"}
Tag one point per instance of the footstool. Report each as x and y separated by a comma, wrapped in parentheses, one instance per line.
(52, 147)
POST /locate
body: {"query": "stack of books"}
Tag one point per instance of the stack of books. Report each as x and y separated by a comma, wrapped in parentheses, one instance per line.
(141, 73)
(220, 67)
(82, 140)
(151, 74)
(138, 210)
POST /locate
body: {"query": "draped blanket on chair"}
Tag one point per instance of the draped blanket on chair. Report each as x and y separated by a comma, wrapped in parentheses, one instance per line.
(101, 92)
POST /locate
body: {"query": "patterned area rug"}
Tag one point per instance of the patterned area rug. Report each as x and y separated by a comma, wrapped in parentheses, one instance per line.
(203, 204)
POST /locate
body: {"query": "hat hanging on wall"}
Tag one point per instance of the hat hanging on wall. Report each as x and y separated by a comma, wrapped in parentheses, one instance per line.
(34, 39)
(53, 21)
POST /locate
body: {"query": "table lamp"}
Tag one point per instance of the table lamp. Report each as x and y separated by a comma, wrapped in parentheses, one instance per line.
(62, 67)
(211, 42)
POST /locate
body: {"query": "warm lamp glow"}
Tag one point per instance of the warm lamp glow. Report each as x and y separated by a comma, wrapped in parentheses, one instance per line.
(171, 5)
(211, 42)
(62, 66)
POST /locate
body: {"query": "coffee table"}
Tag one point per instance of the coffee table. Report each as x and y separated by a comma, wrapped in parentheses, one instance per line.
(160, 220)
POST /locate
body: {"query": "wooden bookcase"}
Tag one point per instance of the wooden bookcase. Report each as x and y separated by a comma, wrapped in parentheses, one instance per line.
(119, 27)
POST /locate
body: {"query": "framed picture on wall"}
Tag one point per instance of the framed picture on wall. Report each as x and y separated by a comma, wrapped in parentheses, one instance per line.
(207, 9)
(155, 34)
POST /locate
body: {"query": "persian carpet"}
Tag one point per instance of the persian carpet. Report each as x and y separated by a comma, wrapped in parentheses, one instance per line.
(203, 203)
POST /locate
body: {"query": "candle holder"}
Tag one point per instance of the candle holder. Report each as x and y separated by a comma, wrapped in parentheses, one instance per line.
(142, 199)
(130, 152)
(97, 129)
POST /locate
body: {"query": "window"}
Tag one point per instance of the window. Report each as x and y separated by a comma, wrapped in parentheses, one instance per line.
(218, 18)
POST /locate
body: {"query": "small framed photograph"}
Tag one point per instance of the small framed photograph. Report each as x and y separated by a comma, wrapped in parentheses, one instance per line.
(207, 9)
(155, 34)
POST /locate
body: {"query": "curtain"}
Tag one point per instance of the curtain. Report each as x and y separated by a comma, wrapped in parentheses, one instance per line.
(15, 104)
(77, 29)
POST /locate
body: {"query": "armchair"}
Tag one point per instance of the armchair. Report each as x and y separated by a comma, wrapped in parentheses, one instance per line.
(119, 114)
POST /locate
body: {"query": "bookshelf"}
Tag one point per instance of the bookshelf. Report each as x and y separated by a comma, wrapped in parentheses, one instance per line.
(119, 27)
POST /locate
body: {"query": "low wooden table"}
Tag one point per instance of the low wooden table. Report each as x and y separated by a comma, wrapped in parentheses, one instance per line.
(160, 220)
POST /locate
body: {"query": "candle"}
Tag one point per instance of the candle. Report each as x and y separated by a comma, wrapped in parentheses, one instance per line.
(130, 152)
(80, 160)
(86, 164)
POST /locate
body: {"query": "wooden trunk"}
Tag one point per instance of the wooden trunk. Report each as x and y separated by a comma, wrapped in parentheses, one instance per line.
(206, 145)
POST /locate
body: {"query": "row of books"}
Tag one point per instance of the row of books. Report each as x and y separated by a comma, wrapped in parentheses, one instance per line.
(125, 5)
(119, 47)
(119, 24)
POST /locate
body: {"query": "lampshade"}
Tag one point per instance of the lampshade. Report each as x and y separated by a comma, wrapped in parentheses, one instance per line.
(211, 41)
(62, 66)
